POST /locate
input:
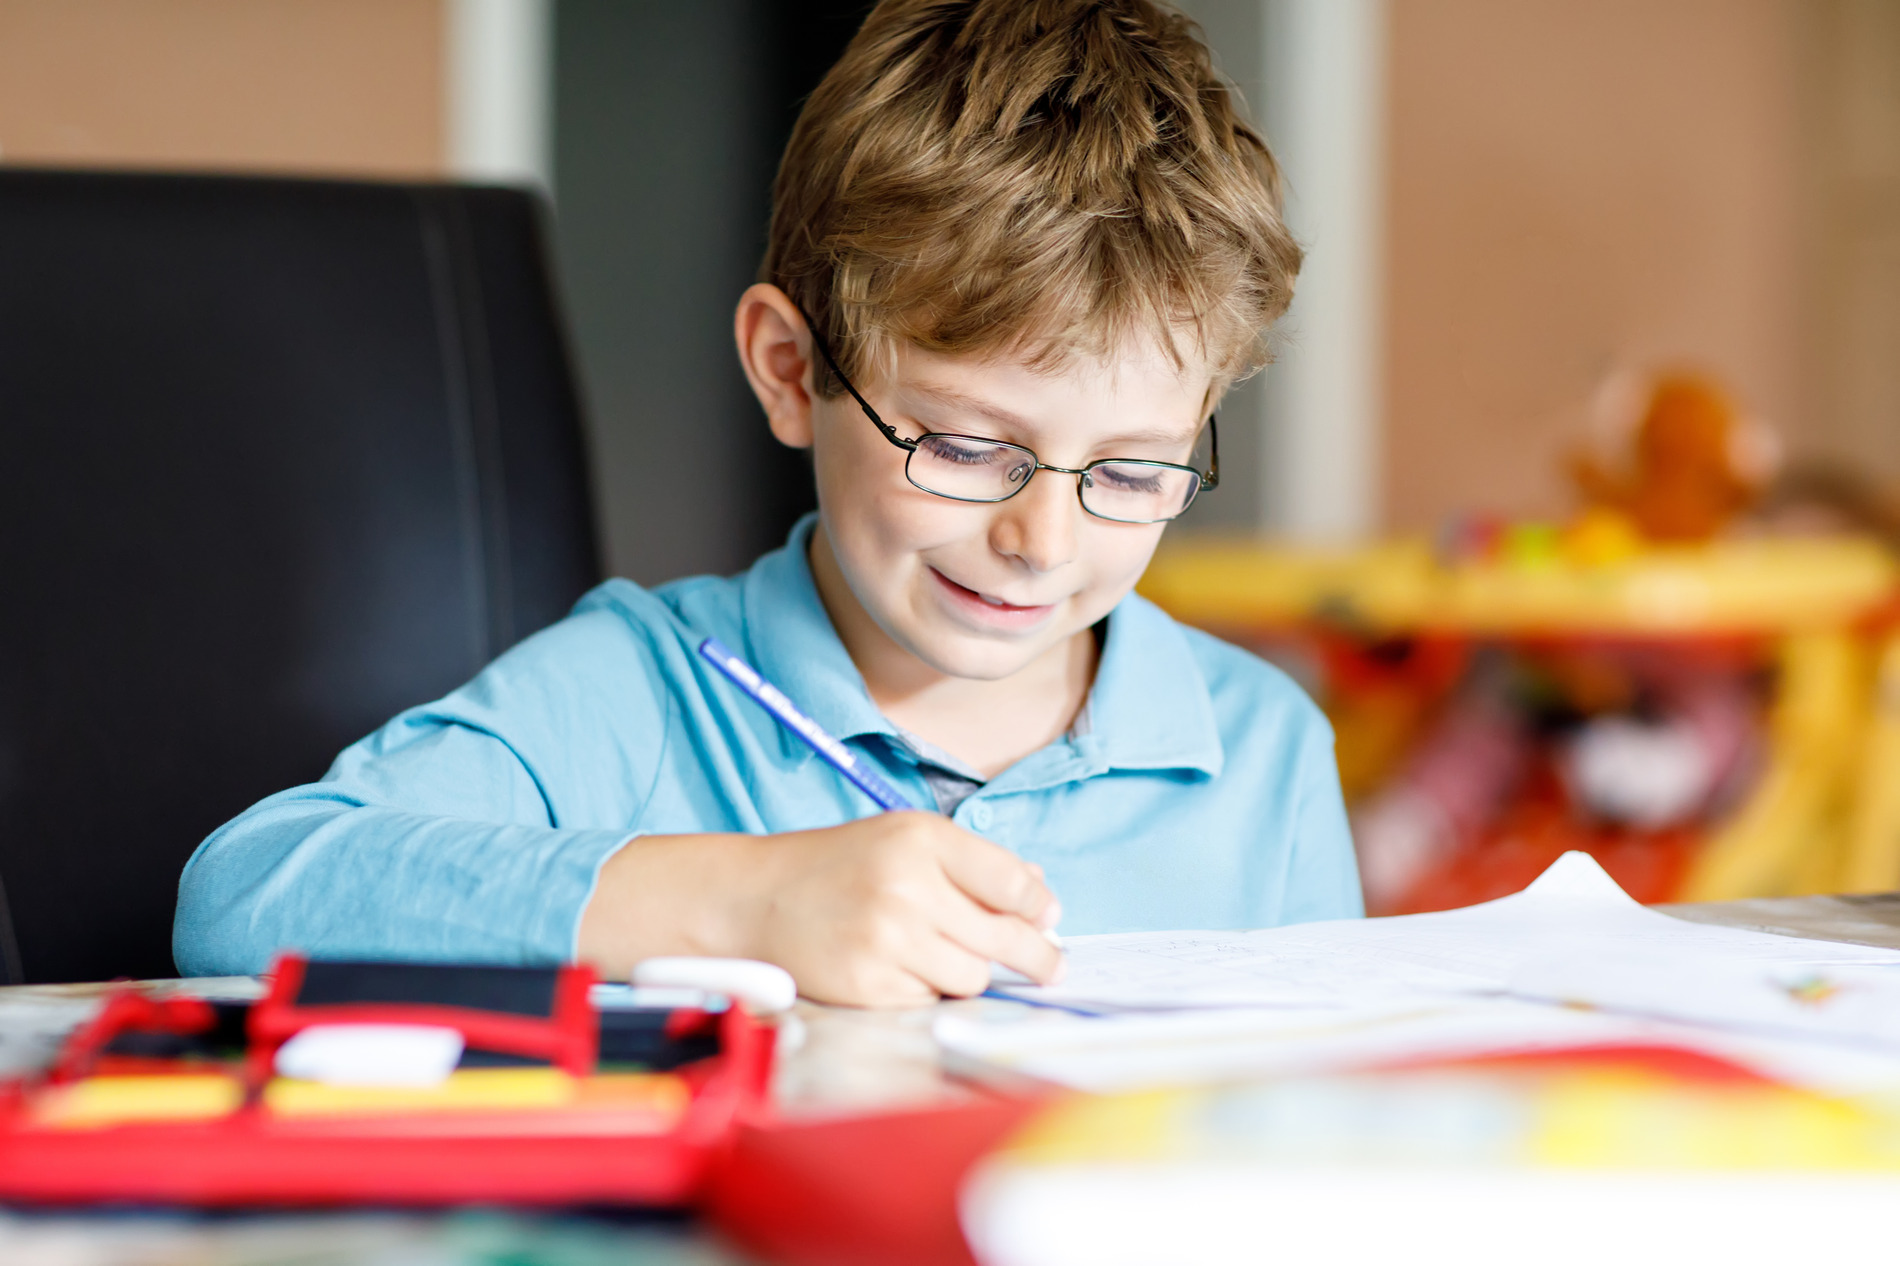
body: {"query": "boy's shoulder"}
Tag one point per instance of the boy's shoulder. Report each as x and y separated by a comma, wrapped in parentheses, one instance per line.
(707, 605)
(620, 633)
(775, 592)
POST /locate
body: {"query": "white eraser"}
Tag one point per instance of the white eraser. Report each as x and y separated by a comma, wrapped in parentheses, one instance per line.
(611, 997)
(762, 986)
(371, 1054)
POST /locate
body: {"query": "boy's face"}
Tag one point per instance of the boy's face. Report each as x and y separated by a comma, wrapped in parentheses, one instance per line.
(980, 590)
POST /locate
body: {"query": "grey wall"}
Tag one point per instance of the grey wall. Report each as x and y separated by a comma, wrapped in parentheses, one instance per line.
(1237, 33)
(668, 120)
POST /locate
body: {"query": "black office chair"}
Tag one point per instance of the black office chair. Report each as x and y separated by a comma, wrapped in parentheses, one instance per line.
(278, 458)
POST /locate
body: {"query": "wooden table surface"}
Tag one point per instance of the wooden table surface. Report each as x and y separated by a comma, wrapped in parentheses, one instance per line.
(1873, 919)
(843, 1060)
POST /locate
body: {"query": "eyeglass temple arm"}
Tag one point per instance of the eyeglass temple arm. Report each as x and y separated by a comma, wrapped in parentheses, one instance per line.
(1212, 478)
(890, 432)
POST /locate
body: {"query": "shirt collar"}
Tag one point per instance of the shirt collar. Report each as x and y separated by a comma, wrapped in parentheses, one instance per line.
(1149, 708)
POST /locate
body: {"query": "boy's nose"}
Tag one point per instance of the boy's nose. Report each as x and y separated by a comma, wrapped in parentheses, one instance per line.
(1038, 525)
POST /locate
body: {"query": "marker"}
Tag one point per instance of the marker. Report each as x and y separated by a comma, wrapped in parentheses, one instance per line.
(834, 753)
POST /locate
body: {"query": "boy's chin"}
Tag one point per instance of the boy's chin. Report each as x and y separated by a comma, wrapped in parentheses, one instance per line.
(957, 653)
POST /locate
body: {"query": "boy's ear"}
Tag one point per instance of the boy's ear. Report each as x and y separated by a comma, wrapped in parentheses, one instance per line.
(775, 349)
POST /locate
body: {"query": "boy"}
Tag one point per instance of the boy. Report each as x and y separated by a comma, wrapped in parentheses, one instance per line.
(1019, 248)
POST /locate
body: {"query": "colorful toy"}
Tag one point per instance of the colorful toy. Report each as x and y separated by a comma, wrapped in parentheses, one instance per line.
(1694, 462)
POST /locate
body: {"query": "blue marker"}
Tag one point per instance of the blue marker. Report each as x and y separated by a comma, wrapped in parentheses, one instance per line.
(773, 700)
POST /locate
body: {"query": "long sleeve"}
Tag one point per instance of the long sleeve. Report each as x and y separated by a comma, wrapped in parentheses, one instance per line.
(472, 828)
(1201, 793)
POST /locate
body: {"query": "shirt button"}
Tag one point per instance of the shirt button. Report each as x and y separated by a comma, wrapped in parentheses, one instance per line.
(979, 816)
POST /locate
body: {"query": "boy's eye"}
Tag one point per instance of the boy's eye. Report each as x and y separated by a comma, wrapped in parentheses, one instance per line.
(1143, 479)
(961, 452)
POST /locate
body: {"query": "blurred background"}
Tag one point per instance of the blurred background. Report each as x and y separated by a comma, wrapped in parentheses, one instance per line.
(1577, 463)
(1506, 201)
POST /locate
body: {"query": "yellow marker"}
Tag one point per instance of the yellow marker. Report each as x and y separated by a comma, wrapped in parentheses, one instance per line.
(485, 1090)
(98, 1102)
(468, 1090)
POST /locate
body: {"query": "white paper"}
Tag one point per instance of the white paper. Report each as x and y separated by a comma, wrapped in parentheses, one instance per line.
(1135, 1051)
(1363, 961)
(1846, 1003)
(1139, 1050)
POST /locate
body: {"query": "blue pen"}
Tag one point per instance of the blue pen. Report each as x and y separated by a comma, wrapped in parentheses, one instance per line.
(835, 754)
(773, 700)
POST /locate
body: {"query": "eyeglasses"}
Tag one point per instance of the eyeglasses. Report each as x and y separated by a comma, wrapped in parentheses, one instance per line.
(970, 468)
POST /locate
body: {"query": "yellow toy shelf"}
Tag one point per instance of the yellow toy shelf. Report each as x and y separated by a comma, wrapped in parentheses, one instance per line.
(1824, 815)
(1765, 586)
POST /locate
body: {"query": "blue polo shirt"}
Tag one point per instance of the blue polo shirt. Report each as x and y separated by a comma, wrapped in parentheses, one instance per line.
(1197, 789)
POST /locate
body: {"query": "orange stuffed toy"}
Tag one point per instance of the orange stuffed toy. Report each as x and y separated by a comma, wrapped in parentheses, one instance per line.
(1694, 464)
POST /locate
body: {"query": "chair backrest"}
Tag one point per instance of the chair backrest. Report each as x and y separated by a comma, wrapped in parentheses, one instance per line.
(278, 458)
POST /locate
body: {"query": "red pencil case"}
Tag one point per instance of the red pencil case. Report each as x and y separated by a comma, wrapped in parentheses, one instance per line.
(143, 1104)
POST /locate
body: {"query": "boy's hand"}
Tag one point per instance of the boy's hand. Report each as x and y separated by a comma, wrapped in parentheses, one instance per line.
(896, 909)
(891, 910)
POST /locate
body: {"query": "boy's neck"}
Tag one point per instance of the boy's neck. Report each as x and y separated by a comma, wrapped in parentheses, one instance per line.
(989, 724)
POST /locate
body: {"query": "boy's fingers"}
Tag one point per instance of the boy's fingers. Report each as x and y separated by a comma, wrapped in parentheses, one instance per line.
(1002, 938)
(995, 878)
(888, 985)
(948, 967)
(917, 991)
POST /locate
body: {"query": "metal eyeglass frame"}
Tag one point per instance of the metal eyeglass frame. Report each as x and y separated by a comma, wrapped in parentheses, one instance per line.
(1210, 478)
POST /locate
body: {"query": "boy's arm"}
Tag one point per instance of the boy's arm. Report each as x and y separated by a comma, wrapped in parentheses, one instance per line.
(491, 827)
(470, 829)
(318, 869)
(889, 910)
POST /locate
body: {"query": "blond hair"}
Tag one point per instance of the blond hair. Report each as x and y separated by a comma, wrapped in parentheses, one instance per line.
(1043, 177)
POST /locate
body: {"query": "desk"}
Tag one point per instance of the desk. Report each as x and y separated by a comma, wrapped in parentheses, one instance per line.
(846, 1061)
(1870, 919)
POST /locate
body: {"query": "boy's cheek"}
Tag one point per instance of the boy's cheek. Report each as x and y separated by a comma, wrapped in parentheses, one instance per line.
(885, 525)
(1119, 555)
(886, 534)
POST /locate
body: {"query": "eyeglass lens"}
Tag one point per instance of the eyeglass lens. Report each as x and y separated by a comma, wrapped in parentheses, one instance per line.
(970, 469)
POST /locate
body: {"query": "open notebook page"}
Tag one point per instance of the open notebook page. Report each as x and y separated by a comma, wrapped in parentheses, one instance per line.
(1348, 962)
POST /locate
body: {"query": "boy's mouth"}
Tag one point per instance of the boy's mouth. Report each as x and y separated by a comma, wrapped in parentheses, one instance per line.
(991, 610)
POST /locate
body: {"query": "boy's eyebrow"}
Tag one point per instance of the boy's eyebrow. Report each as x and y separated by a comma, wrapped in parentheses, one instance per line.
(996, 413)
(958, 400)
